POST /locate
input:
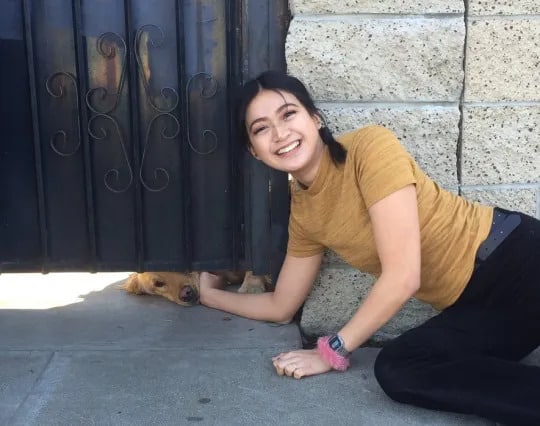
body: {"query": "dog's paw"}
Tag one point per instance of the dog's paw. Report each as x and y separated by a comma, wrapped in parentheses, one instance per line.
(252, 287)
(253, 284)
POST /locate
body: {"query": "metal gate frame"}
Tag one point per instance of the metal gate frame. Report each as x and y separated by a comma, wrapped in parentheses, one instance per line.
(48, 223)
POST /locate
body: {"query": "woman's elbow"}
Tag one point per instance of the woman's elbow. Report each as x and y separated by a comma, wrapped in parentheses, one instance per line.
(408, 282)
(284, 322)
(412, 283)
(282, 317)
(281, 314)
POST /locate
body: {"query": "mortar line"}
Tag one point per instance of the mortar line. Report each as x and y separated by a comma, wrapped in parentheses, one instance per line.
(503, 186)
(420, 103)
(352, 17)
(388, 104)
(503, 104)
(459, 144)
(531, 17)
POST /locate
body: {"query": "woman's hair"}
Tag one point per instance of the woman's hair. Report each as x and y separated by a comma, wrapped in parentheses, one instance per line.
(280, 81)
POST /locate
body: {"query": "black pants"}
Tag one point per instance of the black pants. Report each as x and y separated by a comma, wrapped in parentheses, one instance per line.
(466, 359)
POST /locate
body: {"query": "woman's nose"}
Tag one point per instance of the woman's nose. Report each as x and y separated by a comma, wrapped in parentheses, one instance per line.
(281, 131)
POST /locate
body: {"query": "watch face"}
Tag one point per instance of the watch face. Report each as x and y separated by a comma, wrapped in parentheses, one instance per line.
(335, 343)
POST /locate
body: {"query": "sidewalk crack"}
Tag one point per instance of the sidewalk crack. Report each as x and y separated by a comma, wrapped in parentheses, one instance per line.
(36, 383)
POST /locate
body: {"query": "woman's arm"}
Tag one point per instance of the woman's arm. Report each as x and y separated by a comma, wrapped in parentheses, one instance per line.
(396, 231)
(292, 288)
(397, 237)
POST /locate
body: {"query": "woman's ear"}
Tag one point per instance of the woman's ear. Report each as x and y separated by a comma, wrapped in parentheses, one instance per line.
(318, 121)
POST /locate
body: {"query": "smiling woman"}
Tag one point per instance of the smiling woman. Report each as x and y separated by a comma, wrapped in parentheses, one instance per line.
(364, 197)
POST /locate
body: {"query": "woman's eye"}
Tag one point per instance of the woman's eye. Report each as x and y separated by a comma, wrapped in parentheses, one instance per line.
(259, 130)
(289, 114)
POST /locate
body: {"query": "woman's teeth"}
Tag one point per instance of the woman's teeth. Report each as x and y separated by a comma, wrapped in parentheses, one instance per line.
(288, 148)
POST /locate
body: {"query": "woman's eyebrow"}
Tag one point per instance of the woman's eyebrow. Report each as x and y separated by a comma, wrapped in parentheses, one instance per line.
(285, 105)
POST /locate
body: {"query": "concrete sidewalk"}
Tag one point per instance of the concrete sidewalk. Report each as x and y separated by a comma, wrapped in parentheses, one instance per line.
(118, 359)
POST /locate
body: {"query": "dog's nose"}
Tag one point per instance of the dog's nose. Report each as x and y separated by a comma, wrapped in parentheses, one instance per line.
(187, 294)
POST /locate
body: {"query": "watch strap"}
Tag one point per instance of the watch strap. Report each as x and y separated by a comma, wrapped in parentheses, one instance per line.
(333, 358)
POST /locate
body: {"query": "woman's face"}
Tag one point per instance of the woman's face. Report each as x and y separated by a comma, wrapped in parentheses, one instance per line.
(284, 135)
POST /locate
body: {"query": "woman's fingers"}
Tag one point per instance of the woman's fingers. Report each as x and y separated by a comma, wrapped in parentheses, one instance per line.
(299, 373)
(279, 356)
(299, 364)
(285, 363)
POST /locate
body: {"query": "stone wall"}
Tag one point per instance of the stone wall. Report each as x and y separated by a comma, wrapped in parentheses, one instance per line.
(458, 82)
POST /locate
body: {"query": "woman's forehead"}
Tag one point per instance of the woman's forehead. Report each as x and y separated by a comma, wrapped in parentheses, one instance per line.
(268, 101)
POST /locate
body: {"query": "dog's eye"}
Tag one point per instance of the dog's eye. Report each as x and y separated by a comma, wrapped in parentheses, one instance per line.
(159, 284)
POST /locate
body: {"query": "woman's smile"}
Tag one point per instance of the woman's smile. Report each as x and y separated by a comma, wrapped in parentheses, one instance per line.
(288, 148)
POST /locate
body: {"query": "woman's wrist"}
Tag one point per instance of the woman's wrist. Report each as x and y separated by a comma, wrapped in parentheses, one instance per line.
(208, 296)
(335, 360)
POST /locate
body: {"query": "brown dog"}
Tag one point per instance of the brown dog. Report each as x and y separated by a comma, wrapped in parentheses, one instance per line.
(183, 288)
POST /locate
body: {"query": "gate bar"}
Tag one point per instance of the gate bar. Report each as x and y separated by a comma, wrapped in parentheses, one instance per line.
(279, 196)
(37, 143)
(234, 46)
(81, 73)
(184, 150)
(135, 136)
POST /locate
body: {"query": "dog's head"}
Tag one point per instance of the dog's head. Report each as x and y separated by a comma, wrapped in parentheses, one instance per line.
(181, 288)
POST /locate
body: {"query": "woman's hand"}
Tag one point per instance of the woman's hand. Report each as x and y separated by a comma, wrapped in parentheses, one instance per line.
(207, 283)
(208, 280)
(301, 363)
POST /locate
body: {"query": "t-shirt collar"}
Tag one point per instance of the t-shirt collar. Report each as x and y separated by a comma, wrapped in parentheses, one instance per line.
(320, 177)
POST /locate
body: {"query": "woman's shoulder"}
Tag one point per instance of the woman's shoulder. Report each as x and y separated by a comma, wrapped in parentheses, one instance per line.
(363, 136)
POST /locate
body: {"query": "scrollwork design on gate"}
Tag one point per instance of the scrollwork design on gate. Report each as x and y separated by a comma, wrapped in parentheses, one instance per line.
(102, 103)
(159, 173)
(208, 89)
(107, 46)
(168, 95)
(163, 104)
(111, 178)
(59, 140)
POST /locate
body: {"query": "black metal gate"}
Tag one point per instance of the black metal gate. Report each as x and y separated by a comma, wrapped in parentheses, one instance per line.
(117, 147)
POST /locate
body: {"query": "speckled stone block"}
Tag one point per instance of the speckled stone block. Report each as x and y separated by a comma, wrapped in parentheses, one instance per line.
(376, 6)
(522, 200)
(501, 145)
(355, 59)
(503, 60)
(504, 7)
(429, 133)
(336, 296)
(332, 259)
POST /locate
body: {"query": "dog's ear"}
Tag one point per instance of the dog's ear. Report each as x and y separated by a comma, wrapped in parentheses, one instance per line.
(131, 285)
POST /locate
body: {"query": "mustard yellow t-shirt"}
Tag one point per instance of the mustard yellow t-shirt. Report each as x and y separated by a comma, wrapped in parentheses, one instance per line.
(333, 213)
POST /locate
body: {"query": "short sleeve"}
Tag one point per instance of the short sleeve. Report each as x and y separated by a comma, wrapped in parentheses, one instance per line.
(299, 245)
(383, 166)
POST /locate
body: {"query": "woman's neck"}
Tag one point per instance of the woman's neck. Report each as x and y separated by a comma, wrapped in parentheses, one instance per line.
(307, 175)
